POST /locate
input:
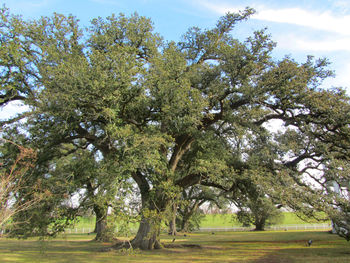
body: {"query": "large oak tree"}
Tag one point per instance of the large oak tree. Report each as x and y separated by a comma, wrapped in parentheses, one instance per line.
(173, 115)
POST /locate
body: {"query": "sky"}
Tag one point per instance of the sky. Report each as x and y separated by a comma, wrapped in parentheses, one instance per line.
(299, 27)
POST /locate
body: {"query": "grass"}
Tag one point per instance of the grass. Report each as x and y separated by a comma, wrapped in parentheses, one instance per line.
(210, 221)
(290, 218)
(226, 220)
(86, 223)
(259, 247)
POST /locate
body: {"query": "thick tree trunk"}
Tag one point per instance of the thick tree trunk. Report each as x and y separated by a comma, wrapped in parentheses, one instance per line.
(184, 225)
(100, 211)
(147, 237)
(101, 222)
(148, 234)
(260, 225)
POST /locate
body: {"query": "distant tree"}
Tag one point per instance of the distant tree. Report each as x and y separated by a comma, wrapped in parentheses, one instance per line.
(75, 181)
(98, 186)
(260, 212)
(189, 213)
(249, 196)
(339, 191)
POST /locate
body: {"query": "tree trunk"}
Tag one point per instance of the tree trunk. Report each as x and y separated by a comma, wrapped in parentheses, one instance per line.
(147, 237)
(187, 216)
(172, 222)
(260, 225)
(148, 234)
(184, 225)
(101, 222)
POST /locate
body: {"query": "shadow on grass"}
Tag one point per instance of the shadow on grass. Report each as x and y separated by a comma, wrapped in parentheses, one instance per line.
(271, 247)
(309, 255)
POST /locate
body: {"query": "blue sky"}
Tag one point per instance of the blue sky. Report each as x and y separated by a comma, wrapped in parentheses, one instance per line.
(300, 27)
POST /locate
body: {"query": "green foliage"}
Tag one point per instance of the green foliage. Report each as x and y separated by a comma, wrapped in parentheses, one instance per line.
(189, 213)
(114, 102)
(194, 221)
(109, 232)
(260, 212)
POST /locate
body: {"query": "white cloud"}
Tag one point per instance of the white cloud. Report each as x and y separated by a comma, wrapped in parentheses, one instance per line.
(316, 20)
(340, 44)
(342, 78)
(343, 4)
(320, 21)
(297, 42)
(323, 33)
(12, 109)
(219, 8)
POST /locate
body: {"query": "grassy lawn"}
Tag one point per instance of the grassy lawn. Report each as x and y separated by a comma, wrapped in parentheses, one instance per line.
(268, 246)
(225, 220)
(210, 221)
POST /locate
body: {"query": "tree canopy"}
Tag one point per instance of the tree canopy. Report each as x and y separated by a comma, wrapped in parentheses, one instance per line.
(173, 115)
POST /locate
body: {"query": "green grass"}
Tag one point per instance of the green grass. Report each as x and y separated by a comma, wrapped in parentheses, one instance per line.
(269, 246)
(226, 220)
(290, 218)
(219, 220)
(86, 224)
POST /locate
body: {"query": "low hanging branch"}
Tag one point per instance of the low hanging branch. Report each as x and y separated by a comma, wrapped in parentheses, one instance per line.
(12, 180)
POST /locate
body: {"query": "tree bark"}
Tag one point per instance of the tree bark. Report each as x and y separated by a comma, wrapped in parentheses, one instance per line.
(101, 222)
(172, 222)
(260, 225)
(187, 216)
(147, 237)
(148, 234)
(185, 225)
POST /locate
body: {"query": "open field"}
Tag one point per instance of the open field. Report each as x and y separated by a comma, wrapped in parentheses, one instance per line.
(259, 247)
(86, 224)
(226, 220)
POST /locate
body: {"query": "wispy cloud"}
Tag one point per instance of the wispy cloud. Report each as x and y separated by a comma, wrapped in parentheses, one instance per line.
(344, 5)
(341, 79)
(335, 25)
(316, 20)
(340, 44)
(314, 31)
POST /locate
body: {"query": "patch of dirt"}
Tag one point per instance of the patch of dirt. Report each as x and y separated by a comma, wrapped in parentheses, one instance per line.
(182, 246)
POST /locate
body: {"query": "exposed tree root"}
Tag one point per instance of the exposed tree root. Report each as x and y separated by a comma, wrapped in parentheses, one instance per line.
(122, 244)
